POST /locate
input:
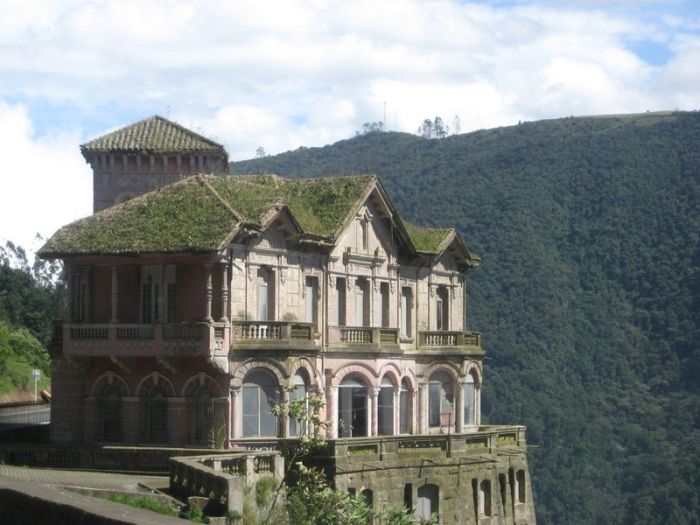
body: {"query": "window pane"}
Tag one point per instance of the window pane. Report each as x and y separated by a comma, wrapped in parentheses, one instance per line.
(251, 407)
(434, 404)
(404, 412)
(268, 422)
(385, 415)
(262, 302)
(469, 404)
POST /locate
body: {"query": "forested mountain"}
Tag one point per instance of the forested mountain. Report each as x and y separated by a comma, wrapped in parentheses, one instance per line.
(588, 294)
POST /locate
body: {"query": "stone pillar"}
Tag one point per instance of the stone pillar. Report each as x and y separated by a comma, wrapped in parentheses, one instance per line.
(413, 413)
(374, 414)
(178, 422)
(236, 416)
(131, 420)
(115, 295)
(423, 408)
(209, 293)
(284, 424)
(224, 292)
(459, 406)
(332, 410)
(397, 410)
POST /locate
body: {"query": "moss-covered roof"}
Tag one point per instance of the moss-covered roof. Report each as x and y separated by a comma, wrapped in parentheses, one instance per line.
(152, 135)
(202, 213)
(427, 240)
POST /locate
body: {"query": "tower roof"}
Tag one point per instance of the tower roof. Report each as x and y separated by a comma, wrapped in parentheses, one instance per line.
(152, 135)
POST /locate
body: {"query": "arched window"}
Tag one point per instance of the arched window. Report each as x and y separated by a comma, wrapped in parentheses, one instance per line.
(259, 396)
(109, 414)
(202, 417)
(385, 414)
(441, 400)
(298, 394)
(428, 502)
(405, 408)
(353, 420)
(154, 406)
(470, 401)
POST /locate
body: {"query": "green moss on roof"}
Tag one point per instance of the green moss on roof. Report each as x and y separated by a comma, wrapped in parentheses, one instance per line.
(202, 213)
(428, 240)
(182, 217)
(153, 135)
(320, 206)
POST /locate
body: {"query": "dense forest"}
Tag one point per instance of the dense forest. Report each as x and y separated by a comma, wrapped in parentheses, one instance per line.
(588, 295)
(29, 302)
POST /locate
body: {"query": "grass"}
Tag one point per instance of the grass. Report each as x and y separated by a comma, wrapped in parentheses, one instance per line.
(144, 502)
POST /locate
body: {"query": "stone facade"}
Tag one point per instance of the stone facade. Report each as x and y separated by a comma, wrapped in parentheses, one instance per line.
(186, 348)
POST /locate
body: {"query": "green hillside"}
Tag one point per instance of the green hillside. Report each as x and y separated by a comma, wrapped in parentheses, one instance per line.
(588, 294)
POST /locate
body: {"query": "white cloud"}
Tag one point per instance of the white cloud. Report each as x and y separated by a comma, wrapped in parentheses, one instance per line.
(45, 182)
(289, 73)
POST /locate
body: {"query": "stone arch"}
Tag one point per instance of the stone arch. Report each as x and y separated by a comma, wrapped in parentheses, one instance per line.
(272, 366)
(410, 377)
(361, 369)
(154, 379)
(305, 364)
(450, 368)
(198, 380)
(112, 379)
(475, 370)
(391, 371)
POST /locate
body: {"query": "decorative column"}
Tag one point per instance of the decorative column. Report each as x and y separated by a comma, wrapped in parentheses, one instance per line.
(236, 411)
(285, 418)
(397, 410)
(459, 406)
(115, 295)
(224, 292)
(374, 407)
(332, 410)
(209, 293)
(423, 408)
(413, 413)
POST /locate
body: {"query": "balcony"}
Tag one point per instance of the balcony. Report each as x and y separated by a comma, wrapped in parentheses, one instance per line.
(273, 335)
(118, 339)
(446, 341)
(367, 338)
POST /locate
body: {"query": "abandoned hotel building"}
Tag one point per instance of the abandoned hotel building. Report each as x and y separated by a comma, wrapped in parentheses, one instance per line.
(198, 299)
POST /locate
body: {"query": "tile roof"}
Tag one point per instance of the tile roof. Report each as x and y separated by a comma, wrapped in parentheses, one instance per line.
(152, 135)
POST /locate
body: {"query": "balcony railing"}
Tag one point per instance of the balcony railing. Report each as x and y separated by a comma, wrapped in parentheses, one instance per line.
(272, 333)
(443, 338)
(362, 335)
(145, 339)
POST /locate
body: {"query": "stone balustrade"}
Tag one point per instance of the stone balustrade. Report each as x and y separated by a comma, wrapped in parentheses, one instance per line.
(273, 334)
(124, 339)
(362, 336)
(445, 338)
(222, 477)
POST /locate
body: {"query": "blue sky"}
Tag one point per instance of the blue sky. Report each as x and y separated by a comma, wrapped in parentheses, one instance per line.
(310, 72)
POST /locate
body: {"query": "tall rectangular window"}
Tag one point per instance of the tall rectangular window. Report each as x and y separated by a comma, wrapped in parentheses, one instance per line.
(311, 299)
(341, 289)
(266, 295)
(361, 303)
(406, 308)
(442, 317)
(384, 291)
